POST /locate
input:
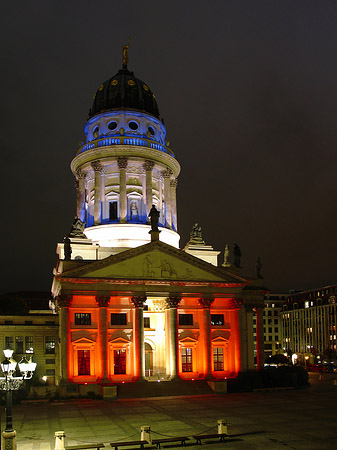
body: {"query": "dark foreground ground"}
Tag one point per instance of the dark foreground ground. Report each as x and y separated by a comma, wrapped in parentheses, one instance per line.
(301, 419)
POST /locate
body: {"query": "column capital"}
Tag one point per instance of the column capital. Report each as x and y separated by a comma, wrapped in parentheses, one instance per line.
(80, 174)
(122, 162)
(174, 182)
(64, 300)
(138, 301)
(97, 166)
(167, 173)
(102, 300)
(148, 165)
(173, 302)
(259, 308)
(235, 303)
(249, 306)
(206, 303)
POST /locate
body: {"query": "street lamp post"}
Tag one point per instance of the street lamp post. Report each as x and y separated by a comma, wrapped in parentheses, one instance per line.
(10, 383)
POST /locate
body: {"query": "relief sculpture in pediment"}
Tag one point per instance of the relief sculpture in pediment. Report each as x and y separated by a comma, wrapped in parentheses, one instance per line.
(161, 270)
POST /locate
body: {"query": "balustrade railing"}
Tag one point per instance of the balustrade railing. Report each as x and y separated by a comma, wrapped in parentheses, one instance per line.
(125, 140)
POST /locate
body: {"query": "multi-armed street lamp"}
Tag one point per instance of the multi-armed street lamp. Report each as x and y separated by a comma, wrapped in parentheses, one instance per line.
(11, 383)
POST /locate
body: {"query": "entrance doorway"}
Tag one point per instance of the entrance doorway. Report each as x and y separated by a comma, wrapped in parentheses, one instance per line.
(148, 360)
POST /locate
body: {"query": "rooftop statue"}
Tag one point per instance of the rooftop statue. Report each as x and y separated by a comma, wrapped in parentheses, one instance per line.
(196, 235)
(237, 255)
(226, 262)
(154, 218)
(67, 248)
(77, 228)
(258, 268)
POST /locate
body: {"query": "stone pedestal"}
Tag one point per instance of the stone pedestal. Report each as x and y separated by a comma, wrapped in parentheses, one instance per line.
(59, 440)
(8, 440)
(109, 392)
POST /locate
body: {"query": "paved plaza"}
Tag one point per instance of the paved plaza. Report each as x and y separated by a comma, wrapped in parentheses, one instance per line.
(298, 419)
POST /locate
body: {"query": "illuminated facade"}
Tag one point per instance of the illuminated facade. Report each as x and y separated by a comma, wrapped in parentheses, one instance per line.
(272, 323)
(32, 332)
(133, 305)
(309, 321)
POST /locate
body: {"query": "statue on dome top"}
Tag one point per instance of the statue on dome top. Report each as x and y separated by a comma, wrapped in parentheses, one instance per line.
(125, 53)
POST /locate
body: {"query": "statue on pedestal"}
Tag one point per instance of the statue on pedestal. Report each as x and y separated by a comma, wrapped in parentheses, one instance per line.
(237, 255)
(226, 262)
(258, 268)
(196, 235)
(77, 228)
(154, 218)
(67, 248)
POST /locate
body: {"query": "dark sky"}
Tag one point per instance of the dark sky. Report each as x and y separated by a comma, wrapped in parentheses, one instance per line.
(248, 93)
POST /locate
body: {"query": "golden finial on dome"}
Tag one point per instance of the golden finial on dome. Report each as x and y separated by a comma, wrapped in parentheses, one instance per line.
(125, 53)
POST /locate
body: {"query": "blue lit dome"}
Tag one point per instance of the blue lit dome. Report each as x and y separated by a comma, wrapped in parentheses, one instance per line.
(124, 91)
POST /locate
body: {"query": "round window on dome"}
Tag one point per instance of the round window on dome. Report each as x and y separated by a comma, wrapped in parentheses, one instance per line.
(151, 130)
(112, 125)
(95, 132)
(133, 125)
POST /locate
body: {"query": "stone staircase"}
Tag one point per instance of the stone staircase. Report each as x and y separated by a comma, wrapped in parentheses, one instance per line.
(142, 389)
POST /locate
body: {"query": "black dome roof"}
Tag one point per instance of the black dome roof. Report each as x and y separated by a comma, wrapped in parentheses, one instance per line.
(124, 91)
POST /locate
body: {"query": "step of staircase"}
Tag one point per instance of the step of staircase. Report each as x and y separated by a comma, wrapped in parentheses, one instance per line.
(142, 389)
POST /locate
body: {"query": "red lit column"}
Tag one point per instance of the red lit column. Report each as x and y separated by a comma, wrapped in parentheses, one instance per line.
(138, 336)
(103, 301)
(167, 197)
(259, 337)
(64, 302)
(122, 164)
(206, 303)
(173, 303)
(234, 360)
(148, 166)
(98, 168)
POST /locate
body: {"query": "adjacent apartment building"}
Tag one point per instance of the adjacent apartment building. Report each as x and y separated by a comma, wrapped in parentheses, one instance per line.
(309, 325)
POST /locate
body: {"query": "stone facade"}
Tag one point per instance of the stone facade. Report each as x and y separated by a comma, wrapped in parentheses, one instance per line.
(133, 305)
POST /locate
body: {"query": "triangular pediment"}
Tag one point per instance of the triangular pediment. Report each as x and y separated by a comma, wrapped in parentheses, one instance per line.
(219, 339)
(154, 261)
(83, 340)
(119, 340)
(188, 340)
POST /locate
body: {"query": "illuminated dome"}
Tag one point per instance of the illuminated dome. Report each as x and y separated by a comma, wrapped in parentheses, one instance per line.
(124, 91)
(125, 166)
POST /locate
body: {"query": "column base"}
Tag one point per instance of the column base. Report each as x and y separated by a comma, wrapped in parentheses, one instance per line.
(174, 378)
(8, 440)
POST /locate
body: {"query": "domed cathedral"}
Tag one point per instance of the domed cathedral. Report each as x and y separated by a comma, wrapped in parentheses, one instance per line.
(132, 305)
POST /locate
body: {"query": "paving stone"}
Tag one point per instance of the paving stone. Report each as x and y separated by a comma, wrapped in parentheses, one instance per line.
(303, 419)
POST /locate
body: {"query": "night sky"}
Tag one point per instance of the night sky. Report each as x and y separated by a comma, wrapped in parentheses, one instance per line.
(247, 90)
